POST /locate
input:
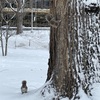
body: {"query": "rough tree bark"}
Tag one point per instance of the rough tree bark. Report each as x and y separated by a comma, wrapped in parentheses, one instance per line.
(60, 65)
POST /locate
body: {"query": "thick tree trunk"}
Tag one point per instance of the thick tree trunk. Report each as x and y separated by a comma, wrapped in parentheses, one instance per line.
(59, 67)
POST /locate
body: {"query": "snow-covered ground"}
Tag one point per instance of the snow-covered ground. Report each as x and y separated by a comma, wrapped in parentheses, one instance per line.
(27, 59)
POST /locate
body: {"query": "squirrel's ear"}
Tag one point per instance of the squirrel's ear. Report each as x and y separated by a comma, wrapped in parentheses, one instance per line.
(24, 82)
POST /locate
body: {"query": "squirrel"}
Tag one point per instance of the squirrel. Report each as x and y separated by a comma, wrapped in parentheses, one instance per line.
(24, 87)
(52, 21)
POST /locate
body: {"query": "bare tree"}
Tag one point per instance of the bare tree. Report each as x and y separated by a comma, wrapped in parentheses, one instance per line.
(19, 13)
(5, 34)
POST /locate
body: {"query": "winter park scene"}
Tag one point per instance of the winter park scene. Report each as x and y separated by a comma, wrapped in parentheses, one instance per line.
(49, 49)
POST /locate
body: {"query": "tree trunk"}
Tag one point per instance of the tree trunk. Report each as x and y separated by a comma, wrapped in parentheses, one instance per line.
(1, 40)
(6, 40)
(19, 23)
(60, 65)
(19, 15)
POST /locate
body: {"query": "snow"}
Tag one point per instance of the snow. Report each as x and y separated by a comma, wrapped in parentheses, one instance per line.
(27, 59)
(90, 1)
(24, 62)
(29, 62)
